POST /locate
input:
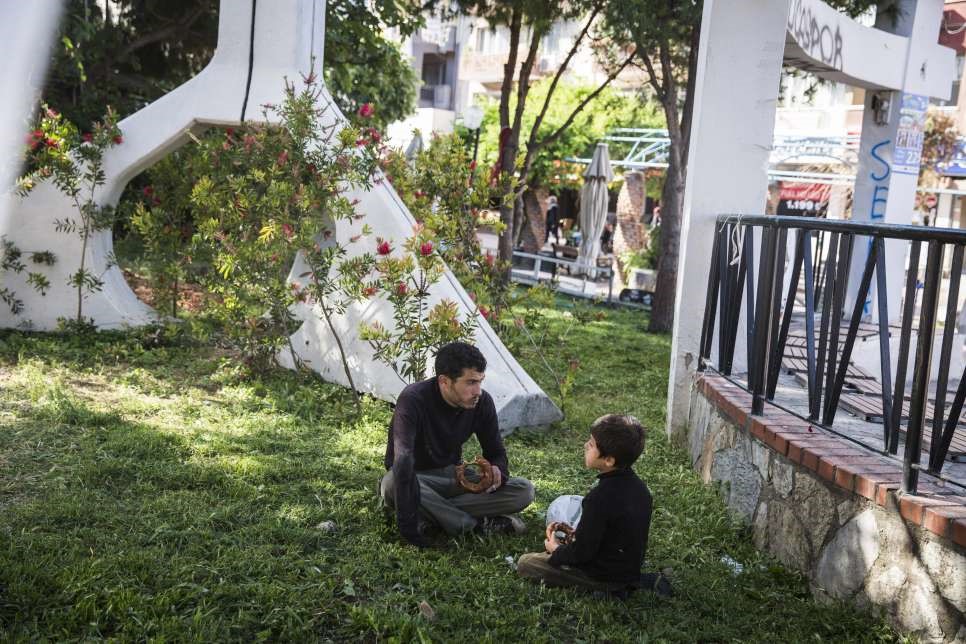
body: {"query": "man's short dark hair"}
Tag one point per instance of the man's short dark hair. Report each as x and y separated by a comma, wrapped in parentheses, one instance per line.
(454, 357)
(618, 436)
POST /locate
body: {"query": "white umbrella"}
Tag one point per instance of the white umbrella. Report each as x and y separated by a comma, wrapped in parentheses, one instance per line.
(593, 205)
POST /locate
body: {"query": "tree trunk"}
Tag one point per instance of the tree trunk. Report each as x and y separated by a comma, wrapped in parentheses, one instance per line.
(662, 306)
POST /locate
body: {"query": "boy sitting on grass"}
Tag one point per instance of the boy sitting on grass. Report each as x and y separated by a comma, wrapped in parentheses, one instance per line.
(610, 539)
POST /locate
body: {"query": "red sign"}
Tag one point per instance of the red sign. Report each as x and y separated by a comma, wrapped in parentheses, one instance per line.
(931, 201)
(803, 199)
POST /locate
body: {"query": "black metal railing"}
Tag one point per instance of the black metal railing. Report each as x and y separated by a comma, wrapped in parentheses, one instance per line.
(820, 266)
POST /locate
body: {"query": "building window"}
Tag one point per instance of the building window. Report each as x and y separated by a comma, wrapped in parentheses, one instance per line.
(434, 70)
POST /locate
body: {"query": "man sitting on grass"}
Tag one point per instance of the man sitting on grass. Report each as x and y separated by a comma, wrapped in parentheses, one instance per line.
(432, 420)
(610, 539)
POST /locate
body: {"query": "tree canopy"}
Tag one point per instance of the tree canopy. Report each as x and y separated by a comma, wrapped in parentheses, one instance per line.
(127, 53)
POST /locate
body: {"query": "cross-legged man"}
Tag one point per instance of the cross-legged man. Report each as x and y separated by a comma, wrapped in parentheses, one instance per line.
(432, 420)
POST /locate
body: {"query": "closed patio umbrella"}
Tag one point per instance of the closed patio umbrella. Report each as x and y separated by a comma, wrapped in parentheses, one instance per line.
(415, 146)
(593, 205)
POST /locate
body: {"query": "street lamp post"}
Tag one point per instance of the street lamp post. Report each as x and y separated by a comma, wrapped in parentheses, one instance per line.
(472, 120)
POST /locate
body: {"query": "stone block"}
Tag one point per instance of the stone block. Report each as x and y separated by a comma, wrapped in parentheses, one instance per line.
(782, 477)
(947, 569)
(846, 560)
(787, 538)
(817, 507)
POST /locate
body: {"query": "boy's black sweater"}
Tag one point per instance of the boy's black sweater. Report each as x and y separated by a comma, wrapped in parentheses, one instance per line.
(611, 538)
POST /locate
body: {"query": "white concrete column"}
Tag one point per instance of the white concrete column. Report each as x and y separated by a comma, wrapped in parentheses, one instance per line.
(888, 168)
(27, 30)
(731, 138)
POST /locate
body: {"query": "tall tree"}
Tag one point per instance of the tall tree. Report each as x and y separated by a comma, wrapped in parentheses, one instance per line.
(528, 22)
(127, 53)
(665, 35)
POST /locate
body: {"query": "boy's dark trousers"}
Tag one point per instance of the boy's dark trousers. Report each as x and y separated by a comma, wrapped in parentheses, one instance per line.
(535, 566)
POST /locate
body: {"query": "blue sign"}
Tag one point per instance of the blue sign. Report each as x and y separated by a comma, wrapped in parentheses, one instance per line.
(910, 134)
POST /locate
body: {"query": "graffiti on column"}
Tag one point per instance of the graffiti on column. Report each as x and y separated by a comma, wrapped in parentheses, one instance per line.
(910, 134)
(820, 41)
(880, 195)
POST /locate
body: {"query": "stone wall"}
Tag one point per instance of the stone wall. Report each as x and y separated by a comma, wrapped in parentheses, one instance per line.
(851, 547)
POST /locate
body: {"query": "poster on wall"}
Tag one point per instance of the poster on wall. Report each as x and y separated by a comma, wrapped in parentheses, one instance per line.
(909, 136)
(803, 199)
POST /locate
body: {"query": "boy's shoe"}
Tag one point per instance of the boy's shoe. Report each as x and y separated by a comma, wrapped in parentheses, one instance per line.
(500, 524)
(657, 583)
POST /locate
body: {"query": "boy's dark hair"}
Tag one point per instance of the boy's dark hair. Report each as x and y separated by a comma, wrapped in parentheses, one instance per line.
(619, 436)
(452, 358)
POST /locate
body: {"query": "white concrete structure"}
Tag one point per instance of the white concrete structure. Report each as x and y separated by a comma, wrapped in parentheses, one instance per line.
(281, 39)
(734, 121)
(889, 149)
(26, 32)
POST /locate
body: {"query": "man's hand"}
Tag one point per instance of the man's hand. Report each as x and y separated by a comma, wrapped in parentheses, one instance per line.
(497, 475)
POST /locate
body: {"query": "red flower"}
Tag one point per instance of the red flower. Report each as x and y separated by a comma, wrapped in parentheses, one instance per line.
(288, 231)
(426, 249)
(361, 142)
(118, 139)
(384, 248)
(485, 312)
(52, 113)
(230, 132)
(401, 288)
(366, 110)
(148, 191)
(369, 291)
(87, 137)
(374, 135)
(472, 296)
(472, 165)
(490, 259)
(51, 143)
(419, 194)
(282, 158)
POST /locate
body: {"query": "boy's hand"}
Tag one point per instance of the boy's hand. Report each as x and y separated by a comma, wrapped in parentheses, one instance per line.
(550, 543)
(497, 474)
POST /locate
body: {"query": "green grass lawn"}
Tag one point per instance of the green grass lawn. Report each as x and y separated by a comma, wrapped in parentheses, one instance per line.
(154, 492)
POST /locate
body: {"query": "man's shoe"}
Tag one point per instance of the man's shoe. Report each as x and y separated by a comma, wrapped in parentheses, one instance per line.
(500, 524)
(429, 529)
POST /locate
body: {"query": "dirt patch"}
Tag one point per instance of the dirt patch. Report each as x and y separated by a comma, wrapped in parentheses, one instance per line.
(191, 297)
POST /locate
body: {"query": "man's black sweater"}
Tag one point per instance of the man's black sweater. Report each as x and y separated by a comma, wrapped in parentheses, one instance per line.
(427, 433)
(611, 538)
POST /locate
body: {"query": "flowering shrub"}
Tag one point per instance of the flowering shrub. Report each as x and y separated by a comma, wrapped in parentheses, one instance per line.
(274, 193)
(74, 162)
(162, 215)
(419, 330)
(452, 198)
